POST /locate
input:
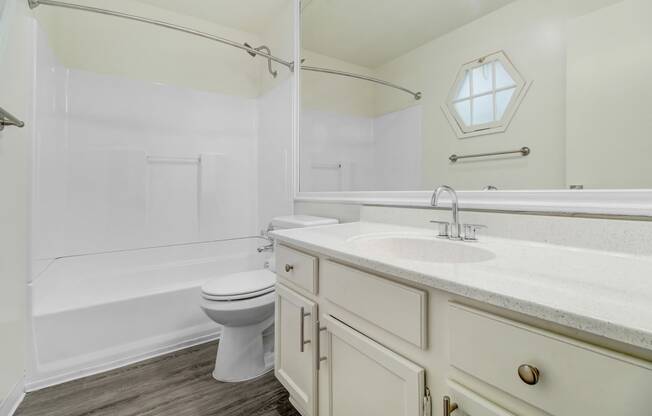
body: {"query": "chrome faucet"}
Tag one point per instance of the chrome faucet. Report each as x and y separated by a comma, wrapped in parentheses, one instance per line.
(266, 247)
(454, 231)
(266, 236)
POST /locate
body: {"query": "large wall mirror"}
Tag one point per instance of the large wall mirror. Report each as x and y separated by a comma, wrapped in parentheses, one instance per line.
(400, 96)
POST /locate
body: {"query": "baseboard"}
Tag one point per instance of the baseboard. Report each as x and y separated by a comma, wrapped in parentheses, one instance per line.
(38, 384)
(297, 407)
(10, 403)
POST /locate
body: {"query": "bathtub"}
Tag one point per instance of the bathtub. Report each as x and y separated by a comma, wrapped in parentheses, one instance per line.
(95, 312)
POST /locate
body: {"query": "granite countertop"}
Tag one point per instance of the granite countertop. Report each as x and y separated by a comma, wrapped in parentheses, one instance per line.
(598, 292)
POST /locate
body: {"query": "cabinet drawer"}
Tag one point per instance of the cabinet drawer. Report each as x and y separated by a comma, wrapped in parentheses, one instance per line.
(297, 268)
(575, 378)
(472, 404)
(396, 308)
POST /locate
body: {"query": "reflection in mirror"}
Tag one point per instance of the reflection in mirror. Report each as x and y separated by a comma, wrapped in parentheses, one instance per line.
(467, 78)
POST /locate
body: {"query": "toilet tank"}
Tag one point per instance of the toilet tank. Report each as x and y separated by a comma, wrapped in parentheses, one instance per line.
(300, 221)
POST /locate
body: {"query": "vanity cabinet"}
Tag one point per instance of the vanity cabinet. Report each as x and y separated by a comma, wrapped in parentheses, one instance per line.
(384, 348)
(295, 331)
(364, 378)
(463, 401)
(360, 375)
(557, 374)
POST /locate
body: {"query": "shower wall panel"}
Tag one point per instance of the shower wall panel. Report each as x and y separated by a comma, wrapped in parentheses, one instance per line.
(125, 164)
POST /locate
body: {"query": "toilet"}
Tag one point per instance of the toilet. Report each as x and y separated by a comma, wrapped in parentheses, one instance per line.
(243, 303)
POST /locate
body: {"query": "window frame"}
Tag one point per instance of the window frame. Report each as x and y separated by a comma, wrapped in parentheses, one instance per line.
(521, 86)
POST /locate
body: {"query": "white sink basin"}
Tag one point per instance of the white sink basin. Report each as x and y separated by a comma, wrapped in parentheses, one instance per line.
(424, 249)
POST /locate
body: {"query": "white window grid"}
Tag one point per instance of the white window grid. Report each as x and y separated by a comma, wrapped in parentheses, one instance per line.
(493, 92)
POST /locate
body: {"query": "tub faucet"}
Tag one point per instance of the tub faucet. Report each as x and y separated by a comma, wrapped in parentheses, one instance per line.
(266, 247)
(454, 229)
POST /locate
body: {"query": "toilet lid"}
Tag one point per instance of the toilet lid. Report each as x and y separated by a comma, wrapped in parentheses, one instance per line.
(237, 286)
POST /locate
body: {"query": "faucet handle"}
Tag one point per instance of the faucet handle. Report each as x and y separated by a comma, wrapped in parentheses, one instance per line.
(443, 228)
(471, 230)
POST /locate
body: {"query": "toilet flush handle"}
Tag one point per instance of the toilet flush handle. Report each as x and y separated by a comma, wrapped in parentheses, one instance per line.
(288, 268)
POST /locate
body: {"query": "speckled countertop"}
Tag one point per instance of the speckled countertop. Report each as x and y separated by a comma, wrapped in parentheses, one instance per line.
(598, 292)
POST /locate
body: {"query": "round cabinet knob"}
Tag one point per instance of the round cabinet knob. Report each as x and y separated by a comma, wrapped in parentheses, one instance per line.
(529, 374)
(288, 268)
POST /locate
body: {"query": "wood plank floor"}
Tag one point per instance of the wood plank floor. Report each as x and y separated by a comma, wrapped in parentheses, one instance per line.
(176, 384)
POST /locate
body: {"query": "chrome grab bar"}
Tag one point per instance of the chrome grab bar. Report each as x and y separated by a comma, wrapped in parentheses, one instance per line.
(8, 119)
(524, 151)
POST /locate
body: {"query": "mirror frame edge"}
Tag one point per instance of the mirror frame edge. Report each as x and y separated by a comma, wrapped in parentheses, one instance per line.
(636, 203)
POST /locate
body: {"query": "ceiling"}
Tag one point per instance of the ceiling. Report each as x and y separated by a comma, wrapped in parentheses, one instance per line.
(372, 32)
(248, 15)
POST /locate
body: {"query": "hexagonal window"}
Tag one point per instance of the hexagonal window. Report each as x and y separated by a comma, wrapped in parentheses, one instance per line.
(485, 96)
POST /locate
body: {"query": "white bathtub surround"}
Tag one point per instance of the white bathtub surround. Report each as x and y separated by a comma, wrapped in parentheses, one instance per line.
(275, 192)
(96, 312)
(343, 152)
(123, 164)
(146, 165)
(599, 292)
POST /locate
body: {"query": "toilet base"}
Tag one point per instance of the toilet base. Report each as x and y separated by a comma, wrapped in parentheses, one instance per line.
(242, 350)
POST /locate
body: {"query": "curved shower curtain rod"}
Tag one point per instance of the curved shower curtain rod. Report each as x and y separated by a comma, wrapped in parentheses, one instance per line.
(416, 95)
(263, 50)
(245, 47)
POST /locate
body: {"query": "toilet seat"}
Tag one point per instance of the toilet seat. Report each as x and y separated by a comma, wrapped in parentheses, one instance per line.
(239, 286)
(243, 296)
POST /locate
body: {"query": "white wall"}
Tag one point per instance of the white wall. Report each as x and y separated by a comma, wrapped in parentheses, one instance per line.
(609, 94)
(532, 33)
(15, 97)
(278, 35)
(109, 45)
(331, 93)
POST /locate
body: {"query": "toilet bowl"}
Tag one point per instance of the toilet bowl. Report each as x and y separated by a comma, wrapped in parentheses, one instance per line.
(243, 303)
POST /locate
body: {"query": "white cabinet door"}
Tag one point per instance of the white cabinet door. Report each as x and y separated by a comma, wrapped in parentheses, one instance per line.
(295, 367)
(366, 378)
